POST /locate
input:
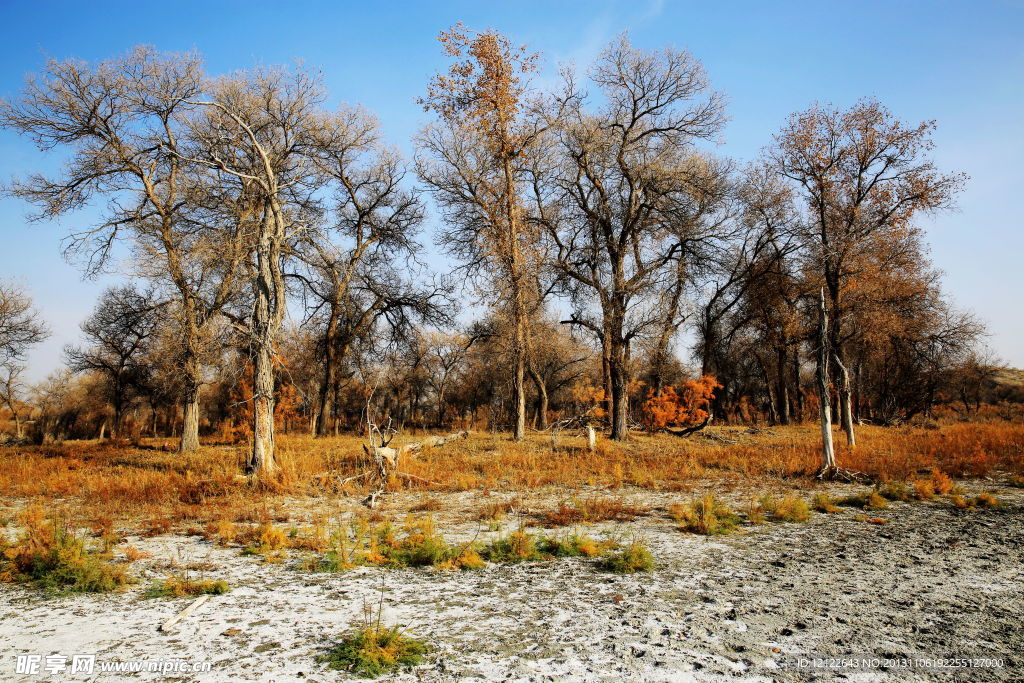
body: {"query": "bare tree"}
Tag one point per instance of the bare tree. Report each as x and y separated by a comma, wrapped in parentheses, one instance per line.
(861, 172)
(475, 163)
(20, 324)
(628, 188)
(117, 333)
(259, 134)
(126, 121)
(356, 259)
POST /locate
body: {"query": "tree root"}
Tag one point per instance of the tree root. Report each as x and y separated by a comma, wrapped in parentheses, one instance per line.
(842, 474)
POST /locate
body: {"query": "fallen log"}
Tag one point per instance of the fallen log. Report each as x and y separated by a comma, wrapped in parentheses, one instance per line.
(690, 430)
(167, 625)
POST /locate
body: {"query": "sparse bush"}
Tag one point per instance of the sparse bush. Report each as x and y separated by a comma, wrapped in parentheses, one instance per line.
(496, 510)
(265, 539)
(705, 516)
(895, 490)
(518, 546)
(821, 502)
(791, 509)
(942, 482)
(924, 489)
(869, 500)
(988, 500)
(634, 558)
(183, 586)
(49, 555)
(372, 650)
(221, 531)
(590, 510)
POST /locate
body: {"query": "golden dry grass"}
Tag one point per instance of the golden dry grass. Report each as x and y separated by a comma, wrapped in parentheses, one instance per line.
(102, 482)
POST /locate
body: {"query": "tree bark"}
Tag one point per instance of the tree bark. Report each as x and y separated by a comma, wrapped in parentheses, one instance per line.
(845, 401)
(828, 454)
(542, 398)
(620, 397)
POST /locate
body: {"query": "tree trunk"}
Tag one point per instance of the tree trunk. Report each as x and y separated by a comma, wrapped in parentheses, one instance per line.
(542, 398)
(827, 449)
(519, 395)
(262, 461)
(190, 407)
(325, 412)
(845, 401)
(620, 397)
(266, 320)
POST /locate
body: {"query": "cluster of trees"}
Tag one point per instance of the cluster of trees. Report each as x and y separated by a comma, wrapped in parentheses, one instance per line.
(589, 223)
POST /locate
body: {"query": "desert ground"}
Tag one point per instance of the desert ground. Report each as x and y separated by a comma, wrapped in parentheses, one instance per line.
(918, 580)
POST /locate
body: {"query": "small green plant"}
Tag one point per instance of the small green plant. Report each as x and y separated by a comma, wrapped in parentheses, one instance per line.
(184, 586)
(373, 649)
(821, 502)
(51, 556)
(895, 490)
(705, 516)
(988, 500)
(518, 546)
(791, 509)
(631, 559)
(868, 500)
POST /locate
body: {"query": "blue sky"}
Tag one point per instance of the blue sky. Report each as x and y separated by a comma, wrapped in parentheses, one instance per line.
(959, 63)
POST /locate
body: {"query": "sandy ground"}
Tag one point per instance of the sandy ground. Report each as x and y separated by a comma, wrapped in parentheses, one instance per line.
(935, 582)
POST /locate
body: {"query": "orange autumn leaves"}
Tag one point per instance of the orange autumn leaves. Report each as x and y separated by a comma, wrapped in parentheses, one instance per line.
(683, 408)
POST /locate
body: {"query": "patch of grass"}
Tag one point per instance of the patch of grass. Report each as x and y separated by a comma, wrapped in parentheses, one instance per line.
(1016, 481)
(50, 556)
(372, 649)
(868, 500)
(264, 540)
(183, 586)
(221, 531)
(706, 516)
(496, 510)
(924, 489)
(988, 500)
(519, 546)
(631, 559)
(574, 545)
(791, 509)
(821, 502)
(590, 510)
(895, 490)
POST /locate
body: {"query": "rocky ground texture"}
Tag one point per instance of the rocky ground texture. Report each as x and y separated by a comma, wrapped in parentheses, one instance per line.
(933, 582)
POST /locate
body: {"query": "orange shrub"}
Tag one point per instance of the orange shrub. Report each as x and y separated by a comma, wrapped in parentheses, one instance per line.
(684, 408)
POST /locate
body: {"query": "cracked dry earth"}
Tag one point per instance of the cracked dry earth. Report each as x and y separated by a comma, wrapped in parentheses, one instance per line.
(934, 581)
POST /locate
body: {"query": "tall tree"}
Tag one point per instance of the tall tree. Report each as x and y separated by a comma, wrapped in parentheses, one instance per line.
(474, 163)
(860, 171)
(116, 335)
(125, 122)
(357, 258)
(20, 330)
(259, 134)
(628, 186)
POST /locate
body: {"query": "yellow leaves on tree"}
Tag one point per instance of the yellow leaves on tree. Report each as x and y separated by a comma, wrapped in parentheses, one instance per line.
(684, 408)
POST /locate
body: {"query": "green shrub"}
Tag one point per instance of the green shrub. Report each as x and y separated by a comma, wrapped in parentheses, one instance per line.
(372, 650)
(183, 586)
(633, 558)
(823, 503)
(791, 509)
(49, 555)
(705, 516)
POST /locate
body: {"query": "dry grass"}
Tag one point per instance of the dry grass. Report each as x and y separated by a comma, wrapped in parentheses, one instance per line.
(104, 485)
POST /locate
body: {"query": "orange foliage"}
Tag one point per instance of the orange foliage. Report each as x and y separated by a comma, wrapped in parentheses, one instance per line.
(684, 408)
